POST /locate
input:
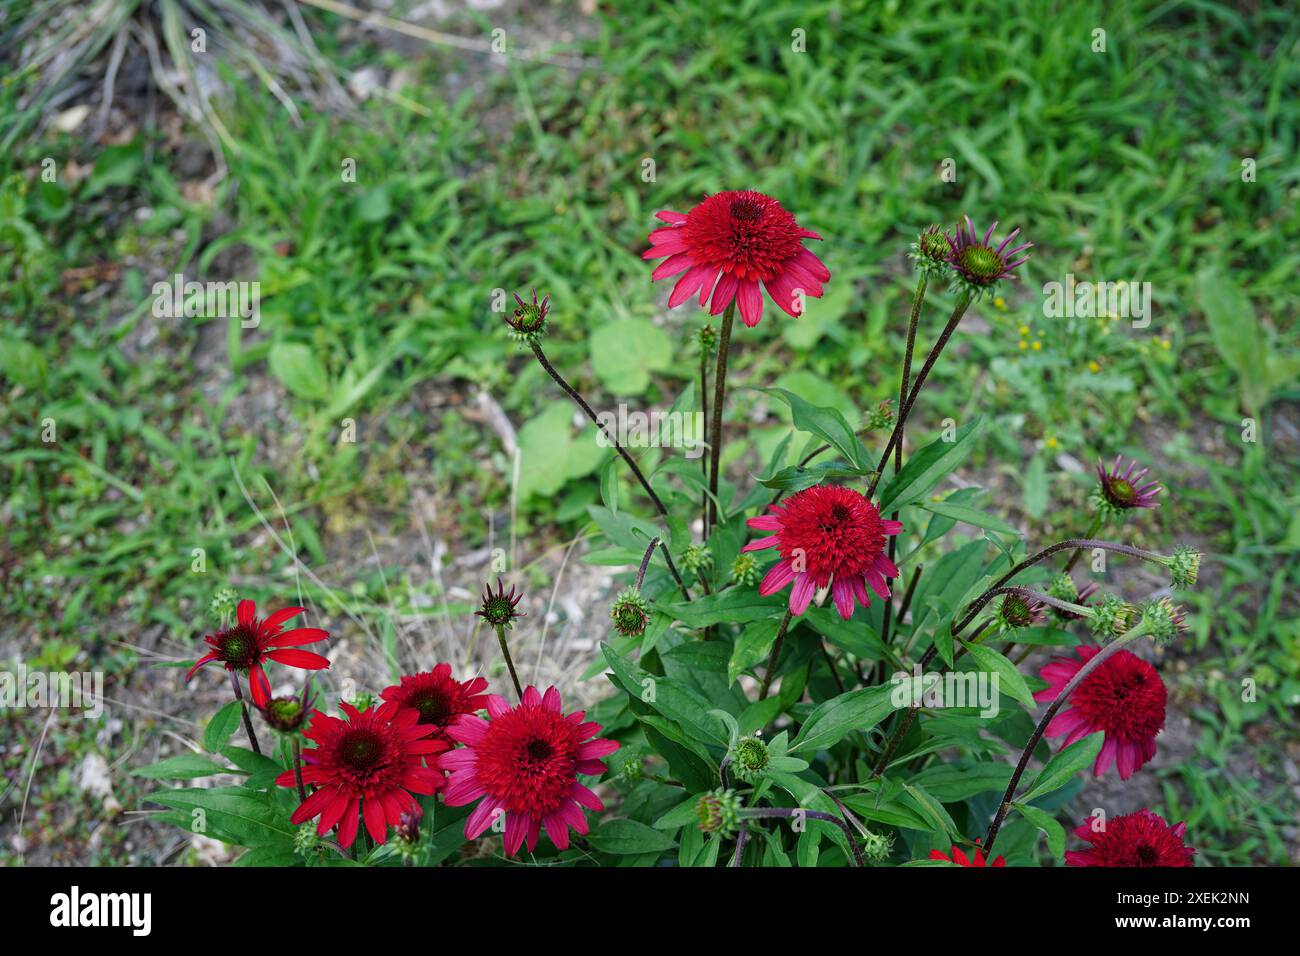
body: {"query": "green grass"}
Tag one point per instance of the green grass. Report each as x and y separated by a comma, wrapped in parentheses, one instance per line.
(1123, 165)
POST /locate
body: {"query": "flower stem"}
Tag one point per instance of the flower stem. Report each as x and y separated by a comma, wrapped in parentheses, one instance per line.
(905, 380)
(895, 437)
(631, 463)
(719, 396)
(774, 656)
(1092, 531)
(1082, 675)
(297, 769)
(1075, 543)
(704, 459)
(645, 562)
(788, 813)
(741, 839)
(505, 652)
(243, 710)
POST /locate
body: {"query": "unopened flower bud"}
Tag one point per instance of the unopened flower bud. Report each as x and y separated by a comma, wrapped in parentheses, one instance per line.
(744, 570)
(749, 759)
(1164, 619)
(718, 812)
(630, 613)
(1184, 566)
(1111, 617)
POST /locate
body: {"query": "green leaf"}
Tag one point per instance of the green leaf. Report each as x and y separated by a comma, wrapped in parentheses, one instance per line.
(927, 467)
(752, 646)
(629, 836)
(678, 703)
(1009, 679)
(1061, 769)
(1050, 826)
(794, 478)
(684, 814)
(550, 454)
(182, 767)
(232, 815)
(834, 719)
(950, 783)
(625, 351)
(735, 605)
(223, 723)
(971, 516)
(299, 370)
(828, 424)
(1235, 331)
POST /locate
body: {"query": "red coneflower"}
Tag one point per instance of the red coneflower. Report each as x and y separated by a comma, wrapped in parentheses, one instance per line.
(1123, 490)
(1124, 697)
(729, 244)
(438, 697)
(977, 262)
(524, 762)
(366, 767)
(247, 645)
(827, 534)
(961, 859)
(1137, 839)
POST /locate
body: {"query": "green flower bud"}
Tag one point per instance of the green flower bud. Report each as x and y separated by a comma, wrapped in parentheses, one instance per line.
(305, 839)
(632, 769)
(744, 570)
(697, 556)
(707, 339)
(630, 613)
(1018, 611)
(1184, 566)
(749, 759)
(1111, 617)
(222, 606)
(876, 847)
(882, 416)
(718, 812)
(1164, 620)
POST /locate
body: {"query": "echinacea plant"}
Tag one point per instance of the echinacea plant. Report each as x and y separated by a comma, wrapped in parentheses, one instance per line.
(814, 661)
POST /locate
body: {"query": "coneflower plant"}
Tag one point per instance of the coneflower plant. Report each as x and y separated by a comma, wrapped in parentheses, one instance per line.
(805, 659)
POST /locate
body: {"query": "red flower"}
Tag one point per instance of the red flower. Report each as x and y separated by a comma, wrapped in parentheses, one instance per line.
(745, 238)
(524, 762)
(827, 535)
(438, 698)
(1125, 698)
(365, 767)
(251, 642)
(1138, 839)
(961, 859)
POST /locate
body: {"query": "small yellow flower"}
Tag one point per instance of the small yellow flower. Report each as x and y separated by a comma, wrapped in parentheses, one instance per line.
(1164, 343)
(1038, 346)
(1094, 366)
(999, 302)
(1051, 441)
(1023, 345)
(1024, 330)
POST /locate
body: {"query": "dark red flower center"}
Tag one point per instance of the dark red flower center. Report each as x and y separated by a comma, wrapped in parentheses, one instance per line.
(432, 705)
(832, 530)
(528, 760)
(1125, 696)
(744, 233)
(237, 647)
(361, 750)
